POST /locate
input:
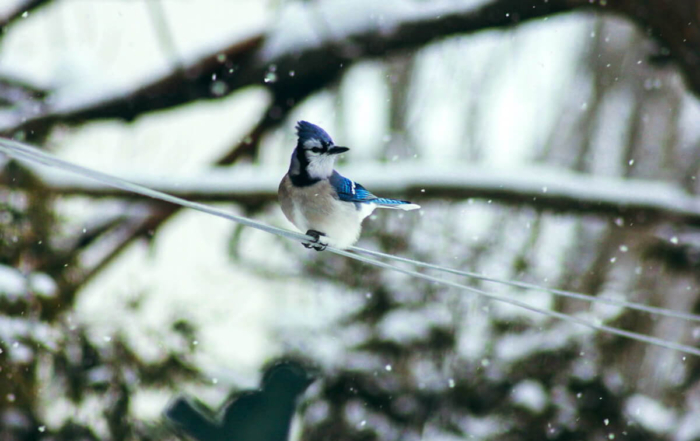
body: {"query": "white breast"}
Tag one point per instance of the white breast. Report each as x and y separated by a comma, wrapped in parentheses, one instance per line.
(315, 208)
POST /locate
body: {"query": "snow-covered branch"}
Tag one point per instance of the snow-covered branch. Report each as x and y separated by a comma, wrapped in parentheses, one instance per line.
(303, 54)
(14, 92)
(20, 8)
(543, 188)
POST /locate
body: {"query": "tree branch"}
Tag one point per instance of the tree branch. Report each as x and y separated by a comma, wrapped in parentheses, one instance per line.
(315, 63)
(7, 17)
(543, 188)
(304, 63)
(249, 146)
(89, 262)
(14, 92)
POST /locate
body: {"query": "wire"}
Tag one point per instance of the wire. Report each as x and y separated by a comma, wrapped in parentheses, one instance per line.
(30, 154)
(557, 292)
(560, 315)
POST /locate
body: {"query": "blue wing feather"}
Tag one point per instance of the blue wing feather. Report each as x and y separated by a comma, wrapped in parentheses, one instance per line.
(349, 191)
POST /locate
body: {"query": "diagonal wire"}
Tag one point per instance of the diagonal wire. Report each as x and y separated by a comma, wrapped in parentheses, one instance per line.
(30, 154)
(26, 153)
(557, 292)
(560, 315)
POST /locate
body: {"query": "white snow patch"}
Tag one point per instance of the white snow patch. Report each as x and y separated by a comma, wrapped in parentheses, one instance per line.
(293, 31)
(550, 255)
(531, 297)
(609, 134)
(365, 106)
(13, 284)
(147, 404)
(82, 30)
(512, 347)
(89, 413)
(42, 284)
(606, 311)
(428, 375)
(482, 428)
(474, 335)
(303, 25)
(530, 395)
(404, 326)
(330, 348)
(585, 368)
(651, 414)
(100, 375)
(20, 353)
(688, 427)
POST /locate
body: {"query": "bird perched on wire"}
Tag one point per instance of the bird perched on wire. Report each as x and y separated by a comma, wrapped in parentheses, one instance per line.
(318, 200)
(255, 415)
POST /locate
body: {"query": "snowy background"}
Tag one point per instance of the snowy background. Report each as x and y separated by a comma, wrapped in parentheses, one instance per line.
(97, 311)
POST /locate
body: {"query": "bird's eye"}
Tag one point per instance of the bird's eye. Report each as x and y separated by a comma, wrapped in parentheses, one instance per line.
(316, 150)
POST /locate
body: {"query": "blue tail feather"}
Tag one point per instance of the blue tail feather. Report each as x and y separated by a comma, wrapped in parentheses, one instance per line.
(385, 201)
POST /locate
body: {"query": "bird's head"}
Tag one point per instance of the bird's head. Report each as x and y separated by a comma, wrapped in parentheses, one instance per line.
(315, 153)
(288, 376)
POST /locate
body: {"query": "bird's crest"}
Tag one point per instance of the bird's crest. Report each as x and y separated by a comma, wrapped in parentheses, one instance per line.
(307, 131)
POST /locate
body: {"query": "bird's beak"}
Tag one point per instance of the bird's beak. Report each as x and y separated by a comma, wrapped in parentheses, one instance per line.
(336, 150)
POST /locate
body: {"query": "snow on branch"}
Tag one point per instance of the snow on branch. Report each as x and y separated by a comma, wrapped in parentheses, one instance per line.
(542, 188)
(15, 92)
(305, 43)
(18, 9)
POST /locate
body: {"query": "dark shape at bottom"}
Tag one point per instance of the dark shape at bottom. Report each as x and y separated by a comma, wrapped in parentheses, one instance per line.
(255, 415)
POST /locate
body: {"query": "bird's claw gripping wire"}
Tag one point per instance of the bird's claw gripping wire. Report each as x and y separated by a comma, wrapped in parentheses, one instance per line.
(316, 244)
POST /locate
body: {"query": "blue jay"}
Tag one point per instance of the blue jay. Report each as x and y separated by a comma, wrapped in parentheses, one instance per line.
(318, 200)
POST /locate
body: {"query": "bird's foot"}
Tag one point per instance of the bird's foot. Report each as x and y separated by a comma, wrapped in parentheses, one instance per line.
(317, 244)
